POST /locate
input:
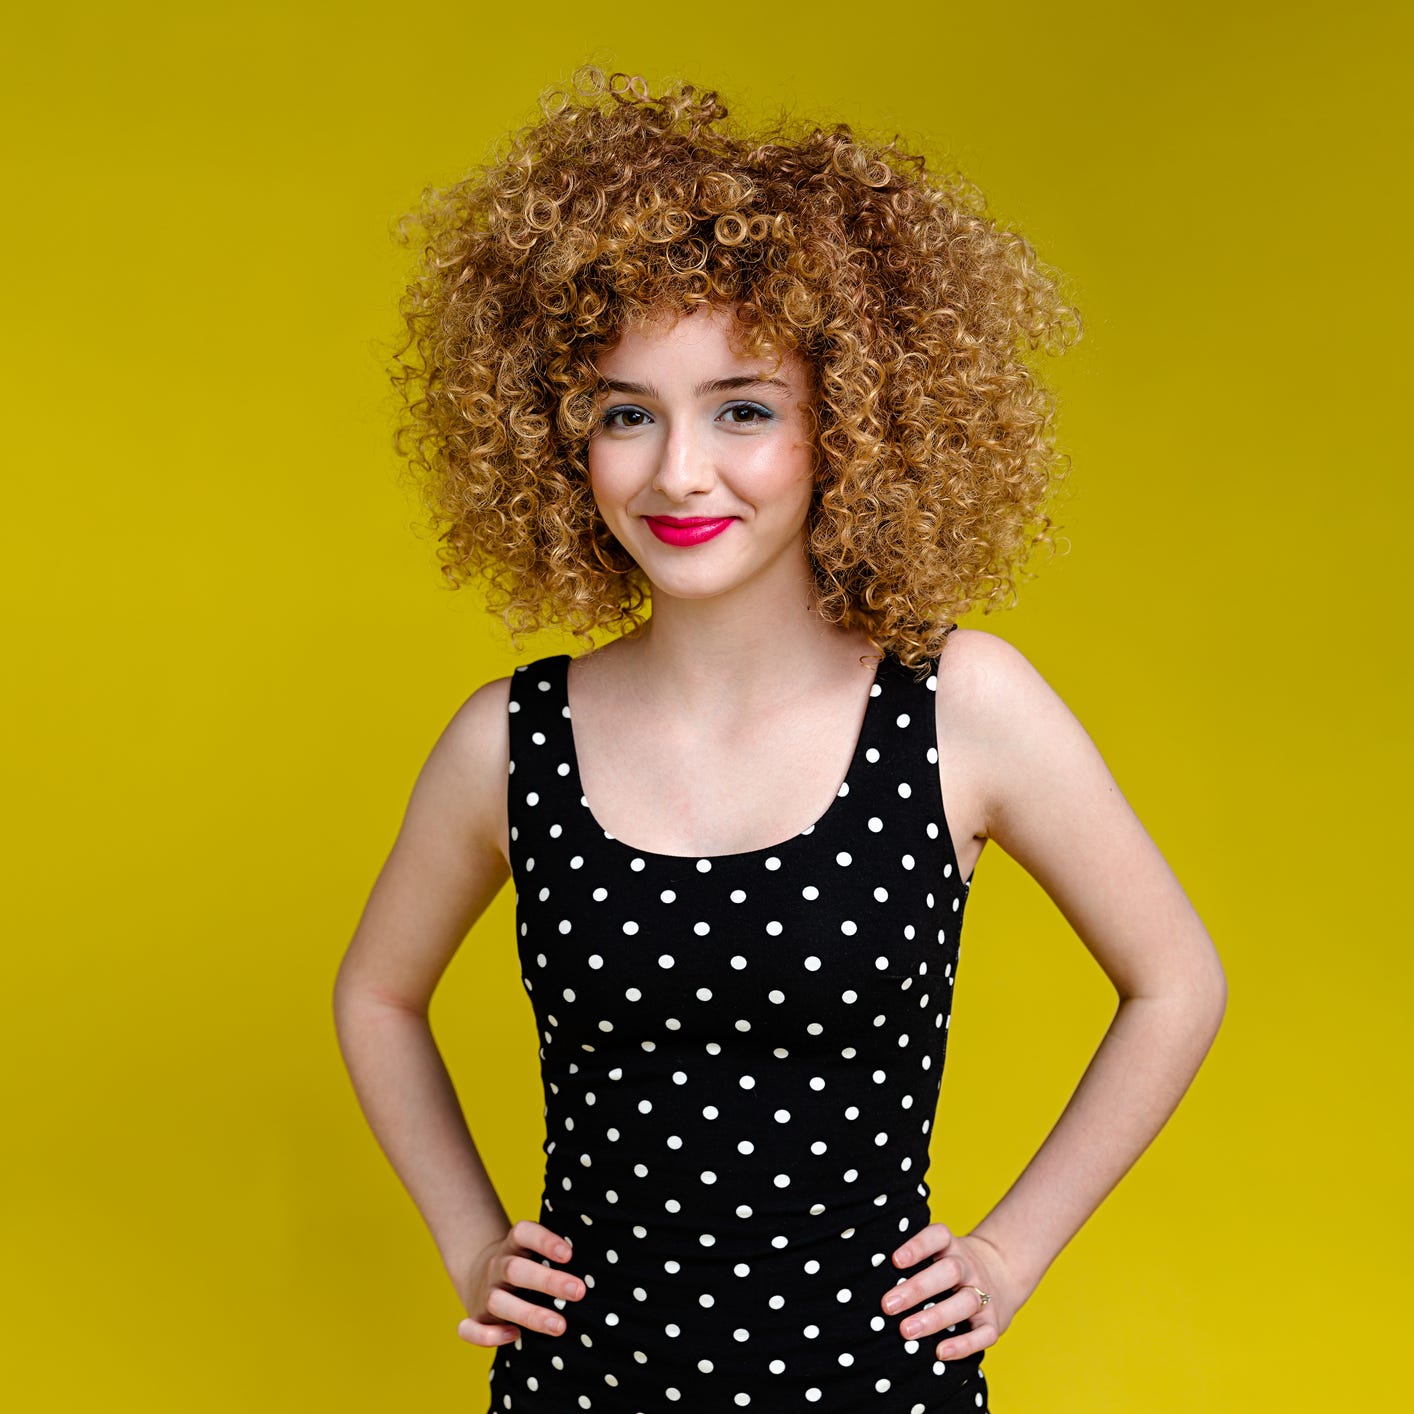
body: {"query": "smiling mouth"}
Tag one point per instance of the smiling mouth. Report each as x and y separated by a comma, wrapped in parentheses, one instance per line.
(687, 530)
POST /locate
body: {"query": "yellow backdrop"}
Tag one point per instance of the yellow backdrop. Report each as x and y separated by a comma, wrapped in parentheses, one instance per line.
(230, 653)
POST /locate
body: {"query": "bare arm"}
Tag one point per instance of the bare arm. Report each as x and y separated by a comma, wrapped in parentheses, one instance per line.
(1048, 799)
(445, 868)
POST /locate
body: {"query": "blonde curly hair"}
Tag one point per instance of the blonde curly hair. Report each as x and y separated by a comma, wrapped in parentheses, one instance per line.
(914, 311)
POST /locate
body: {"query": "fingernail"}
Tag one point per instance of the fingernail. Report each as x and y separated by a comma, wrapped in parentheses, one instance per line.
(901, 1256)
(911, 1328)
(892, 1303)
(556, 1324)
(565, 1252)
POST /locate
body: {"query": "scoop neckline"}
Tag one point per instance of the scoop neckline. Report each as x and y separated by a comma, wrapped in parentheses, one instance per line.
(577, 783)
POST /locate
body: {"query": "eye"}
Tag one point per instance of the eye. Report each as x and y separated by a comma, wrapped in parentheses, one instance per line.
(745, 414)
(631, 417)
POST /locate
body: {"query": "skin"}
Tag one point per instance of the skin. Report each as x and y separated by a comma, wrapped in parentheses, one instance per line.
(736, 664)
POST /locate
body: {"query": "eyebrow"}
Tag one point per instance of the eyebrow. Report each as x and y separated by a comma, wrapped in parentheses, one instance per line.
(713, 385)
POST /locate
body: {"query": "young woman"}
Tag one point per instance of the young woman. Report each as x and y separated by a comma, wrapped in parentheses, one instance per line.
(776, 387)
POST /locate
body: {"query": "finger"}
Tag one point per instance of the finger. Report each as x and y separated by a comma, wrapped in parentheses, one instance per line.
(938, 1315)
(931, 1240)
(485, 1333)
(535, 1238)
(933, 1280)
(510, 1307)
(968, 1342)
(535, 1276)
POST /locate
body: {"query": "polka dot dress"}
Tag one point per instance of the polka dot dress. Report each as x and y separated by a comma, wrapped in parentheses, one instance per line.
(741, 1057)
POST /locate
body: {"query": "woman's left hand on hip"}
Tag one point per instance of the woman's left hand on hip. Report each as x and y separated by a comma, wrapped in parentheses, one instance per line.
(963, 1270)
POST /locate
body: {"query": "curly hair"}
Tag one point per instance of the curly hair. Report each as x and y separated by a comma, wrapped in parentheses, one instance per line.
(914, 311)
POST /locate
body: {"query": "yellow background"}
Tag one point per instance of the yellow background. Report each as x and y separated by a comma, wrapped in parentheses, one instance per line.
(229, 653)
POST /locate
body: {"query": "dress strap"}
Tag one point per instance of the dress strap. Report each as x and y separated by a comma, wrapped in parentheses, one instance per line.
(541, 746)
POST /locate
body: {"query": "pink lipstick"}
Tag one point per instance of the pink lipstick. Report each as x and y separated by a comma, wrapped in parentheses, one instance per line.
(687, 530)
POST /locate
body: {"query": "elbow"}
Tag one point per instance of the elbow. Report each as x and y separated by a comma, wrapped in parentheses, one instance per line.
(1208, 1000)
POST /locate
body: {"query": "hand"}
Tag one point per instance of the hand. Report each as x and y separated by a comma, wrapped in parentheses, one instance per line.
(960, 1263)
(495, 1314)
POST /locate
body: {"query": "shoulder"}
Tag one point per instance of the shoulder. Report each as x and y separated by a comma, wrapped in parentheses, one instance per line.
(1006, 729)
(984, 681)
(480, 723)
(479, 736)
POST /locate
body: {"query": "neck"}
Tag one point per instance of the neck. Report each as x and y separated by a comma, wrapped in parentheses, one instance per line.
(727, 653)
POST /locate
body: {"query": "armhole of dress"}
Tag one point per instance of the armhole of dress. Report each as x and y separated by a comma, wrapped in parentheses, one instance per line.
(514, 712)
(946, 850)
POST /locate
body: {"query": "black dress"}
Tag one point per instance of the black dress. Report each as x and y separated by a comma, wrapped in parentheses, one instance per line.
(741, 1057)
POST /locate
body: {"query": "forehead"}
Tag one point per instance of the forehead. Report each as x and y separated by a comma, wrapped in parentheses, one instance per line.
(707, 335)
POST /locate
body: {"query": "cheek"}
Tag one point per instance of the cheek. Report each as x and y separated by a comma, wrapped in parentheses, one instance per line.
(605, 473)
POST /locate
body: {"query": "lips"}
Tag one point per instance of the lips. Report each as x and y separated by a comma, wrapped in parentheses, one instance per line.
(687, 530)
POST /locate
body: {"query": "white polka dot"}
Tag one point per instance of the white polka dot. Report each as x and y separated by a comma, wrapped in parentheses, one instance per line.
(738, 895)
(665, 960)
(704, 866)
(844, 857)
(738, 962)
(812, 964)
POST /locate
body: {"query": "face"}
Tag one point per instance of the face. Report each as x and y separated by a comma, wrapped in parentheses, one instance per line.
(701, 464)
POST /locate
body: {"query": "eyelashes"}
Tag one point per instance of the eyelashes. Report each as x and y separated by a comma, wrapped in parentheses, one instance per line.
(734, 415)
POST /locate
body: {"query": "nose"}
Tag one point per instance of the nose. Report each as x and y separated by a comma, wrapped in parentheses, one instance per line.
(684, 465)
